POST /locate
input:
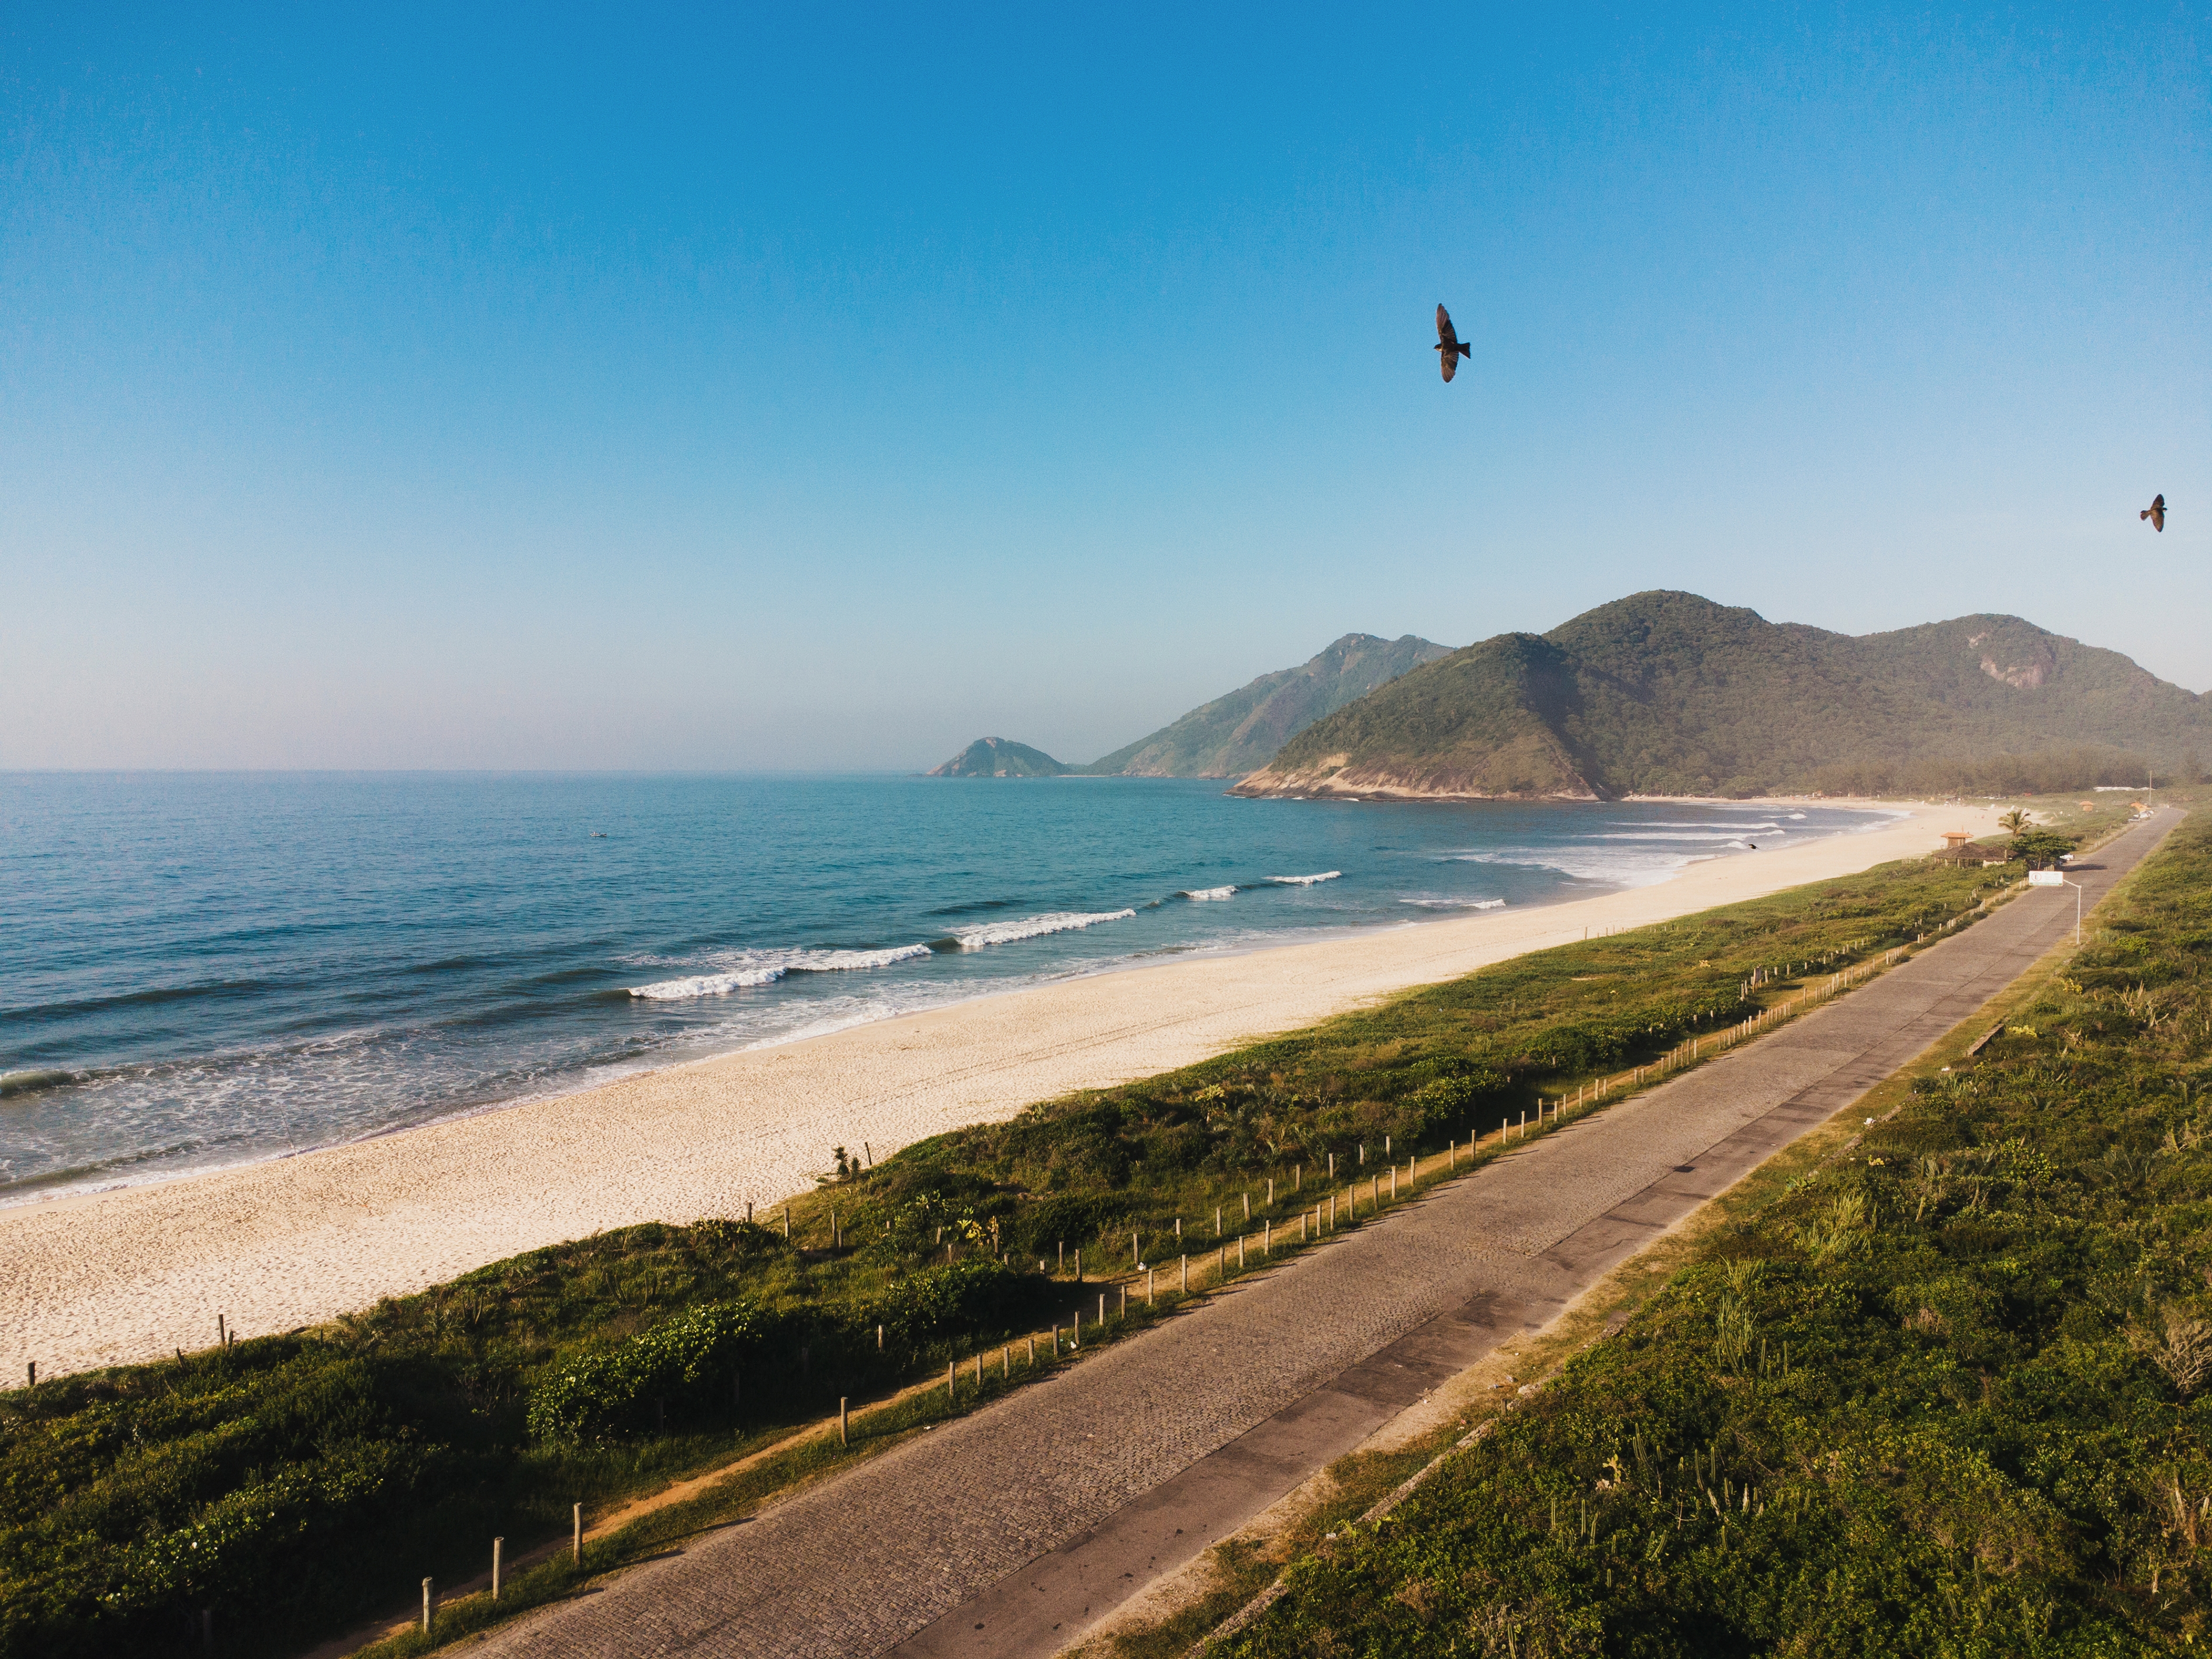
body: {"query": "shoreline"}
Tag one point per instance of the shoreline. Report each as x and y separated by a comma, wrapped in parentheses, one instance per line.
(125, 1272)
(59, 1190)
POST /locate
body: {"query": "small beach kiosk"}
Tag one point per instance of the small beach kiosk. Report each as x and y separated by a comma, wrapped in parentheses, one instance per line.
(1958, 848)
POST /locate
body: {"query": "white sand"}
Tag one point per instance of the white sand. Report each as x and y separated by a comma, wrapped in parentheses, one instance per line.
(128, 1275)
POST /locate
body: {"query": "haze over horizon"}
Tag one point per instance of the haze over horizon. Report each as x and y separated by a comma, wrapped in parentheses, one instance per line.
(555, 391)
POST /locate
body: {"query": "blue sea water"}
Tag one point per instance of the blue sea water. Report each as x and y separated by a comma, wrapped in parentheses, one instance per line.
(204, 969)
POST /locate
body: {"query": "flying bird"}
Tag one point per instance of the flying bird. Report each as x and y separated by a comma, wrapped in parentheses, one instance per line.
(2155, 512)
(1449, 343)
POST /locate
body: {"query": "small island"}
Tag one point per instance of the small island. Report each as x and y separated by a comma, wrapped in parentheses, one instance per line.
(1000, 757)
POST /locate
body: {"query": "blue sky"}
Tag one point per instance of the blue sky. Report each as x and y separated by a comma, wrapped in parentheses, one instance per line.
(687, 388)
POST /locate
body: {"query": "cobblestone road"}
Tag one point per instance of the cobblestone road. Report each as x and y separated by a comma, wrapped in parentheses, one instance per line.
(1007, 1532)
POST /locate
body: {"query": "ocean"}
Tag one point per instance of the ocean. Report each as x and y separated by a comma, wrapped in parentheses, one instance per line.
(202, 970)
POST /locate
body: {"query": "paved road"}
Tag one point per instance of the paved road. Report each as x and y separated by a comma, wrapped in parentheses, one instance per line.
(1008, 1532)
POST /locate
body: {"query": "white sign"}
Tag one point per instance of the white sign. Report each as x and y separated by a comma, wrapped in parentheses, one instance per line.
(2045, 879)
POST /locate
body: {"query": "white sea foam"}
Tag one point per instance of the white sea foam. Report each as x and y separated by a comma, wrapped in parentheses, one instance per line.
(705, 985)
(1794, 815)
(1718, 833)
(1058, 921)
(838, 962)
(755, 968)
(1620, 866)
(1455, 904)
(1205, 894)
(1305, 881)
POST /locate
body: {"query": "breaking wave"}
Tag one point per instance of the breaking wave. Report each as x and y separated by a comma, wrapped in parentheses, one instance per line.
(37, 1082)
(766, 967)
(1305, 881)
(1204, 894)
(1624, 867)
(1455, 904)
(1058, 921)
(1720, 832)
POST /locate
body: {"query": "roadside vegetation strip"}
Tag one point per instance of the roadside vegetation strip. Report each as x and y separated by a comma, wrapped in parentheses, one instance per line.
(1940, 1385)
(295, 1486)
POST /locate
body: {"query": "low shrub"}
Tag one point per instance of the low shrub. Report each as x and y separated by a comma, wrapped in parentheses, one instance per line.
(594, 1394)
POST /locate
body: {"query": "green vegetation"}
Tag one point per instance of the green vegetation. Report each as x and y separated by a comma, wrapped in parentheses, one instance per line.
(1000, 757)
(1670, 694)
(1240, 732)
(2040, 848)
(1947, 1395)
(297, 1483)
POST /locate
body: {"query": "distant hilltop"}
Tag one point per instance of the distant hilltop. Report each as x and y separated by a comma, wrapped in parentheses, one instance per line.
(1670, 694)
(1241, 732)
(999, 757)
(1233, 734)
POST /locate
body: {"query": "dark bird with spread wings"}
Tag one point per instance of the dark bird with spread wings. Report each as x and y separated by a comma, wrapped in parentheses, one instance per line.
(1449, 343)
(2155, 512)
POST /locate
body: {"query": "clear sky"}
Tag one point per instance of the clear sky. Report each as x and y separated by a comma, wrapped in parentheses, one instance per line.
(807, 387)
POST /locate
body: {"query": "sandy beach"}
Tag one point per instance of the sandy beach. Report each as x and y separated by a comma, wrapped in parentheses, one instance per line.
(132, 1274)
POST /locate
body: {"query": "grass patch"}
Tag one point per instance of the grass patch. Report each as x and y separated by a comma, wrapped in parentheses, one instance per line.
(1936, 1387)
(296, 1486)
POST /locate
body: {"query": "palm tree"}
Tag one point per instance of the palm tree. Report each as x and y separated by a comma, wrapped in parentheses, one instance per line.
(2015, 821)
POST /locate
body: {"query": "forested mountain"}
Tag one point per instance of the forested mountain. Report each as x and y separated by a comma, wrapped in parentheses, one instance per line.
(1666, 693)
(1231, 735)
(1000, 757)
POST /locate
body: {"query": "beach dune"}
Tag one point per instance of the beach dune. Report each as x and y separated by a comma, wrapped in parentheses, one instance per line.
(133, 1273)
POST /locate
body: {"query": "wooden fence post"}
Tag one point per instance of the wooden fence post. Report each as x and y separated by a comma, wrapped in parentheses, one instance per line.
(426, 1606)
(498, 1548)
(576, 1537)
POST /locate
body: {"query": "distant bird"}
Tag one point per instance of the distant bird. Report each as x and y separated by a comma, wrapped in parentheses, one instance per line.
(1449, 343)
(2155, 512)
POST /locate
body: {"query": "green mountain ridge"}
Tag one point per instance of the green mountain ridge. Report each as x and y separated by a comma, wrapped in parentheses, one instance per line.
(1667, 693)
(1000, 757)
(1239, 732)
(1231, 735)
